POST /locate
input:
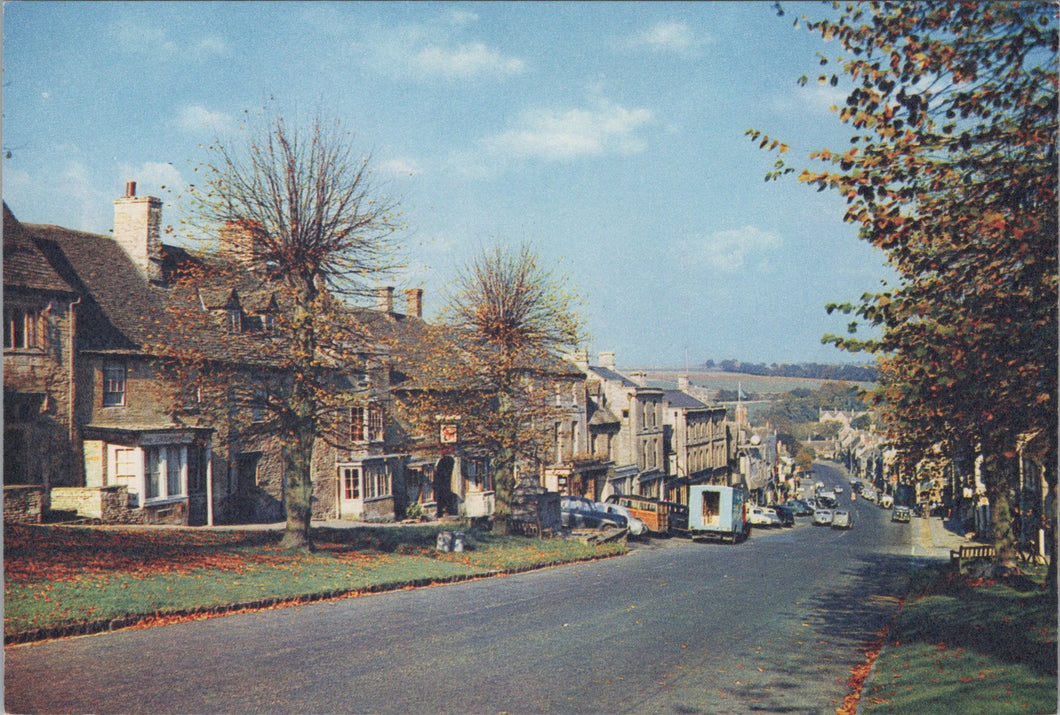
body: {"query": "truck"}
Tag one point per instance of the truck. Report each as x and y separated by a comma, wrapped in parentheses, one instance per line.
(717, 512)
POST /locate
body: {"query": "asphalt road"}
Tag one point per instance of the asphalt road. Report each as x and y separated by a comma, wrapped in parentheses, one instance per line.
(774, 624)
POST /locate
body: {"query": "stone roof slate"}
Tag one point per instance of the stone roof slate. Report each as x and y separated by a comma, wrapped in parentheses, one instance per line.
(25, 265)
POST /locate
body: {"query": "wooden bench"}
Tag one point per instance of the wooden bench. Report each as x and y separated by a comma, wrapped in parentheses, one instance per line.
(970, 552)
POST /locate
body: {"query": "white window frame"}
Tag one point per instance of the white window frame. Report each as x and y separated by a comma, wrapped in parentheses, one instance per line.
(113, 385)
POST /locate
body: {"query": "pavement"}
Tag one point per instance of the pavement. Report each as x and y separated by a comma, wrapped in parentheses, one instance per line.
(936, 537)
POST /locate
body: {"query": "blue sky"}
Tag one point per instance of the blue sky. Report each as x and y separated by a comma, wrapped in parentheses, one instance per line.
(608, 136)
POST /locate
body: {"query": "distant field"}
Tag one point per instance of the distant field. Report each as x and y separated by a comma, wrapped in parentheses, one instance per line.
(731, 380)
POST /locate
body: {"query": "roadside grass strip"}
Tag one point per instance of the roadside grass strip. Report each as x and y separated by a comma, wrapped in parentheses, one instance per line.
(963, 645)
(69, 580)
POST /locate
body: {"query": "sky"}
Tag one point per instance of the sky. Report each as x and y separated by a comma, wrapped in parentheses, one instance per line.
(608, 137)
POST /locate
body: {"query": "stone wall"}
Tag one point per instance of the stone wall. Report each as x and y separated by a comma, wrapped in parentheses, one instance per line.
(23, 504)
(108, 504)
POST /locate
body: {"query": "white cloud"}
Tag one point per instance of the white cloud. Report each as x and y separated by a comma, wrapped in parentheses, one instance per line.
(154, 178)
(399, 166)
(462, 17)
(197, 119)
(468, 60)
(153, 41)
(731, 250)
(428, 52)
(90, 207)
(670, 36)
(560, 135)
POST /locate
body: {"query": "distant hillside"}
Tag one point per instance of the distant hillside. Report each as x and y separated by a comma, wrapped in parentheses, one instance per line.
(813, 371)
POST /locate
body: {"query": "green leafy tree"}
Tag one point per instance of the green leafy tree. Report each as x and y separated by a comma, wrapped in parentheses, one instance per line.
(290, 213)
(951, 171)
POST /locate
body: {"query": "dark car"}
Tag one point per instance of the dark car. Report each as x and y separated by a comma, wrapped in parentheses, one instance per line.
(799, 507)
(786, 515)
(678, 518)
(582, 513)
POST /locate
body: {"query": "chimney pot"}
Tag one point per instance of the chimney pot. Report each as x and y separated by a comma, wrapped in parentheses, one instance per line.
(130, 189)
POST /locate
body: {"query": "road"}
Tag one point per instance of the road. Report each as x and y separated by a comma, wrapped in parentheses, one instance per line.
(773, 625)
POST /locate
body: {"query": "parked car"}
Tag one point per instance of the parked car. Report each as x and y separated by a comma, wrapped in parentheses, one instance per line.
(800, 507)
(654, 513)
(886, 501)
(761, 516)
(581, 513)
(842, 519)
(678, 518)
(635, 525)
(822, 517)
(786, 515)
(870, 494)
(902, 513)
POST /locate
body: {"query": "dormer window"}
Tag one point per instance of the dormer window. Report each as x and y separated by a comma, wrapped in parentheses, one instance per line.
(113, 385)
(235, 320)
(268, 322)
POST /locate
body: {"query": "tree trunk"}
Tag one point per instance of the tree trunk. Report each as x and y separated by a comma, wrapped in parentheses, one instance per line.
(998, 474)
(299, 429)
(503, 487)
(298, 493)
(1050, 533)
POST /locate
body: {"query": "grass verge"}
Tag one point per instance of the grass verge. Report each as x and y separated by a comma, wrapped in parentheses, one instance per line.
(66, 580)
(963, 645)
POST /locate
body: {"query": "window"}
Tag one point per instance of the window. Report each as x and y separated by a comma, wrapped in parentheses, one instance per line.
(235, 320)
(163, 476)
(22, 327)
(376, 481)
(257, 405)
(113, 385)
(477, 475)
(357, 424)
(375, 423)
(351, 483)
(366, 423)
(126, 472)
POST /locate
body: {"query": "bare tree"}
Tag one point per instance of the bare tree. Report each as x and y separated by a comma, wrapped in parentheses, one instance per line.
(293, 212)
(494, 362)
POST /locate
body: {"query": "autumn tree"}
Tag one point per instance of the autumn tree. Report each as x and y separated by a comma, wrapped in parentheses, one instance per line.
(293, 220)
(493, 364)
(951, 171)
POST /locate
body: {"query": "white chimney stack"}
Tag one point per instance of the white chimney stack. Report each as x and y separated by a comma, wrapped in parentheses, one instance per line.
(384, 299)
(607, 359)
(137, 229)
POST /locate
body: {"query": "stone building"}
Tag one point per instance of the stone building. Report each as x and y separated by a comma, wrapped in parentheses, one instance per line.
(697, 447)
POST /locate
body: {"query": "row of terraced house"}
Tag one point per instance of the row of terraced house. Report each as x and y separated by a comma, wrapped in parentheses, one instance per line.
(88, 433)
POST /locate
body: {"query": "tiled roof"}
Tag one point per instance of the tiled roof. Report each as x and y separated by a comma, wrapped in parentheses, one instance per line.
(25, 266)
(676, 398)
(608, 374)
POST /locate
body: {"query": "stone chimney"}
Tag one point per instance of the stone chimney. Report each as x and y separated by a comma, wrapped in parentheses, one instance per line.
(241, 240)
(580, 358)
(384, 299)
(607, 359)
(414, 302)
(137, 229)
(683, 383)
